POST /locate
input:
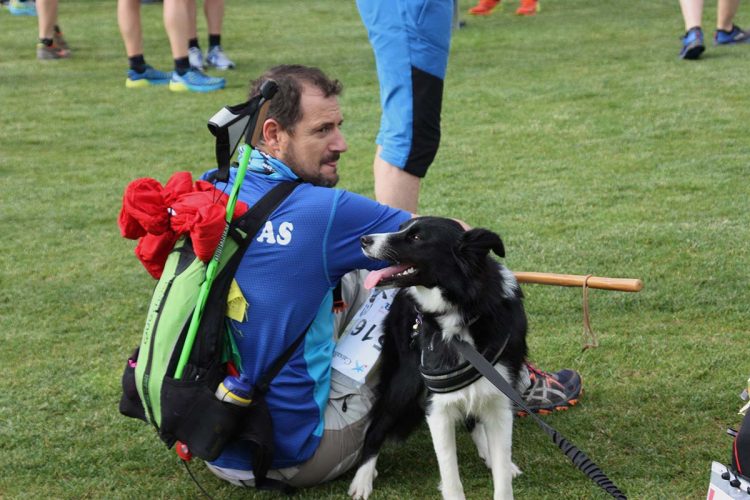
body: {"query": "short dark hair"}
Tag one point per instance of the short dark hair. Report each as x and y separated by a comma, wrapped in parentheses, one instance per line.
(285, 106)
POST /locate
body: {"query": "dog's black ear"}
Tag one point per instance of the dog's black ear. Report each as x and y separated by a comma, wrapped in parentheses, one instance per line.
(480, 241)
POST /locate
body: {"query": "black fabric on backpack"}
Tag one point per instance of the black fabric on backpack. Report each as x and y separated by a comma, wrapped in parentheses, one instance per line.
(741, 449)
(189, 410)
(130, 402)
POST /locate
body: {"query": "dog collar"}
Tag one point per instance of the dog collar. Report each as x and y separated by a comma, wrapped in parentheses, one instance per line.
(417, 326)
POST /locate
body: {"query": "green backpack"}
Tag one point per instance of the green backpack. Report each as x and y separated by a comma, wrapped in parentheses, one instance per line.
(186, 408)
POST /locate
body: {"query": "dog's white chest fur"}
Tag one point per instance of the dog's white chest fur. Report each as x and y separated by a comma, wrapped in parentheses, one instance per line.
(431, 300)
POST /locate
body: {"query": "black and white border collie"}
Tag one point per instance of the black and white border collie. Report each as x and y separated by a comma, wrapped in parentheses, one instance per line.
(450, 287)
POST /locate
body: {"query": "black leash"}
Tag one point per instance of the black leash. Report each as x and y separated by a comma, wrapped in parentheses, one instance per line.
(579, 459)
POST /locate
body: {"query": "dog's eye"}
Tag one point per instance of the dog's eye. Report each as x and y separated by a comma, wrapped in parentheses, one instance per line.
(415, 236)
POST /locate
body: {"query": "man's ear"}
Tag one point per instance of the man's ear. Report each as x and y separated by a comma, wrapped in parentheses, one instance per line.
(272, 136)
(480, 241)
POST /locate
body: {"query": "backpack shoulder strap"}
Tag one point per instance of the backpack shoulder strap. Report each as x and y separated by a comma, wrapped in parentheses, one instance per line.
(265, 381)
(208, 343)
(251, 220)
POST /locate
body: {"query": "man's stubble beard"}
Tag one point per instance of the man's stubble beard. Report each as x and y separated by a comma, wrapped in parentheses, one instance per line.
(290, 160)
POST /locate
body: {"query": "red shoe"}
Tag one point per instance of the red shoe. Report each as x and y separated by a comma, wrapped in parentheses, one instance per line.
(528, 8)
(484, 7)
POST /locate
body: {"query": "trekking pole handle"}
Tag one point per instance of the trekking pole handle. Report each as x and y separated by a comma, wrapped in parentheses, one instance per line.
(267, 91)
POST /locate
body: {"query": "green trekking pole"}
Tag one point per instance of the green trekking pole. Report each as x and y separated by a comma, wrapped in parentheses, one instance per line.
(267, 91)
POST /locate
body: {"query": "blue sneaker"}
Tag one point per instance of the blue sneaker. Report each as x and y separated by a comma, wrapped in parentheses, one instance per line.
(692, 44)
(18, 8)
(149, 77)
(195, 81)
(722, 37)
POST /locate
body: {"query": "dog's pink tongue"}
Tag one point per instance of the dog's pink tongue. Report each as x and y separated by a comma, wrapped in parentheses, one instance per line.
(374, 277)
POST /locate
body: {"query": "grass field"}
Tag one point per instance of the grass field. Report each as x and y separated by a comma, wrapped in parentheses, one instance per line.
(577, 134)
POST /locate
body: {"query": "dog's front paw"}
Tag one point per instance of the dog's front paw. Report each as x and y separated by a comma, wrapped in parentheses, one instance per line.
(514, 470)
(453, 495)
(361, 485)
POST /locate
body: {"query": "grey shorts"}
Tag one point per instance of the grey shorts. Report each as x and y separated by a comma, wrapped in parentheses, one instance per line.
(346, 415)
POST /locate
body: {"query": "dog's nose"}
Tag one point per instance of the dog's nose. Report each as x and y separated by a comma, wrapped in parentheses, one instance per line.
(366, 241)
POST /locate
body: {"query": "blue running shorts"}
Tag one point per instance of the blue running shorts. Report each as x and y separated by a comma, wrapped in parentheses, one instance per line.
(411, 41)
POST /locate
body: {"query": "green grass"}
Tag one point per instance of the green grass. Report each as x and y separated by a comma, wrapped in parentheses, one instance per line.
(577, 134)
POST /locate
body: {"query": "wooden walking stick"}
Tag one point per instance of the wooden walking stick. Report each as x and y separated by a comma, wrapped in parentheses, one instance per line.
(617, 284)
(586, 282)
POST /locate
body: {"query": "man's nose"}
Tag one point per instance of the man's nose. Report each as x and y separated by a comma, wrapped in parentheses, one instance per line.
(339, 143)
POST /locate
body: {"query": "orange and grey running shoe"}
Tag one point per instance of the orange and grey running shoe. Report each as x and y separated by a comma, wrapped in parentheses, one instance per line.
(49, 52)
(528, 8)
(484, 7)
(58, 40)
(551, 391)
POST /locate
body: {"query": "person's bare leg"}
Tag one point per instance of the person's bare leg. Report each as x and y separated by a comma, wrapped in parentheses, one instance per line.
(46, 11)
(176, 23)
(725, 11)
(214, 10)
(395, 187)
(129, 20)
(192, 19)
(692, 12)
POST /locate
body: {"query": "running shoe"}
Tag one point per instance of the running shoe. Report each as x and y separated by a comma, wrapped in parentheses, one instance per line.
(737, 35)
(528, 8)
(48, 53)
(147, 78)
(551, 391)
(484, 7)
(58, 40)
(18, 8)
(195, 55)
(195, 81)
(692, 44)
(217, 59)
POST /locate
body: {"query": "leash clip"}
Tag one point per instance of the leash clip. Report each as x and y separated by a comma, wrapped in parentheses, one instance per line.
(416, 328)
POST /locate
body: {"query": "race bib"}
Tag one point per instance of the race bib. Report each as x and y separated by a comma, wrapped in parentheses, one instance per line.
(359, 347)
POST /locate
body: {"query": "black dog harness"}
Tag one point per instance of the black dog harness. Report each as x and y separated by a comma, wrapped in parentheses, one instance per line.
(445, 380)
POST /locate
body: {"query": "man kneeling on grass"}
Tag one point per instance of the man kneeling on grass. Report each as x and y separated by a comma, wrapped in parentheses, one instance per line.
(310, 244)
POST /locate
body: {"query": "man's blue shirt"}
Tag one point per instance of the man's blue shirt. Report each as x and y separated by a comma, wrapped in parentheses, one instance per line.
(287, 276)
